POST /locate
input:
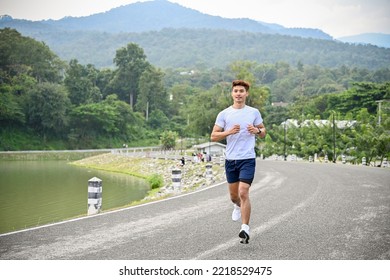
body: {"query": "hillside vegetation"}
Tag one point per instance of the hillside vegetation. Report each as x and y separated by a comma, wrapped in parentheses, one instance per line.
(47, 103)
(173, 36)
(186, 48)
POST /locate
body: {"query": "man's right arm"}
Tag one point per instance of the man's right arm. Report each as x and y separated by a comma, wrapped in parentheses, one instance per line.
(219, 134)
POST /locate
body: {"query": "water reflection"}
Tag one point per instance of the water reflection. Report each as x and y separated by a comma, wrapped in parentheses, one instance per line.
(39, 192)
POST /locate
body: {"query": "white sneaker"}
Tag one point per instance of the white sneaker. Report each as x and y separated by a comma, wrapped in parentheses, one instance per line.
(236, 215)
(244, 234)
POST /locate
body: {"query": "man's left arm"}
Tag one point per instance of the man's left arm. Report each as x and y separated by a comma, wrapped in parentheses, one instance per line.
(261, 130)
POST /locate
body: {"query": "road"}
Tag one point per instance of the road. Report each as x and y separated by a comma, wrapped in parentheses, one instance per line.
(300, 211)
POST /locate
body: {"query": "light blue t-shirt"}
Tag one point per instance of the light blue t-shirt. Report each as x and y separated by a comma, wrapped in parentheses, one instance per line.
(240, 145)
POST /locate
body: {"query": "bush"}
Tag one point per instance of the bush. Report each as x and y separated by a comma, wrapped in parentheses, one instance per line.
(155, 181)
(168, 139)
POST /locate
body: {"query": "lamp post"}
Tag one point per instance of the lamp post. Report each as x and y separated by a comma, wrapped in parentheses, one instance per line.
(285, 138)
(379, 111)
(334, 139)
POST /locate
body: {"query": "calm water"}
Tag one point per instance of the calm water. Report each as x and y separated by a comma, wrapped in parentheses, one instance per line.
(39, 192)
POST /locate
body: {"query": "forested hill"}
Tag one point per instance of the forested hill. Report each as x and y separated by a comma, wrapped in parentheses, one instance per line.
(377, 39)
(188, 48)
(173, 36)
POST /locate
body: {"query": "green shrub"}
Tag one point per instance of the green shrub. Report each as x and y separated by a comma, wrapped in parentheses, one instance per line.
(155, 181)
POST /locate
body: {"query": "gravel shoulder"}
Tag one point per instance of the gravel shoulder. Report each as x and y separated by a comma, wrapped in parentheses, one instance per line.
(193, 175)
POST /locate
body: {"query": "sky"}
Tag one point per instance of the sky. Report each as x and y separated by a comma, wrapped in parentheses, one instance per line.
(336, 17)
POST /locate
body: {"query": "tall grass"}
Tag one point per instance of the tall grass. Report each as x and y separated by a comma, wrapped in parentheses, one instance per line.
(48, 155)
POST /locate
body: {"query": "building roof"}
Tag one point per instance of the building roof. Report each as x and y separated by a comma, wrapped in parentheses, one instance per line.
(279, 104)
(319, 123)
(209, 144)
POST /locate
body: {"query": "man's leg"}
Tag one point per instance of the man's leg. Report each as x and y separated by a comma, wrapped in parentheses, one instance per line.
(235, 198)
(234, 194)
(243, 192)
(245, 204)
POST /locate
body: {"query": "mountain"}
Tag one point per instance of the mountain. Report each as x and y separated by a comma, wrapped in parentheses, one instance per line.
(176, 37)
(377, 39)
(155, 16)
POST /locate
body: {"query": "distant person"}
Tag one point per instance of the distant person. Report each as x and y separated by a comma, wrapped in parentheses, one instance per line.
(195, 158)
(239, 124)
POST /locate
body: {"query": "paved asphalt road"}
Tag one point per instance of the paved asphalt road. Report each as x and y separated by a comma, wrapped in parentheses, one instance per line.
(307, 211)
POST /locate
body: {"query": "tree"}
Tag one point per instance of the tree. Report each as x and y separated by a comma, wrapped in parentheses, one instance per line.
(362, 95)
(383, 145)
(244, 70)
(23, 54)
(10, 110)
(13, 98)
(48, 108)
(152, 93)
(158, 120)
(109, 118)
(168, 139)
(131, 63)
(203, 109)
(180, 95)
(81, 83)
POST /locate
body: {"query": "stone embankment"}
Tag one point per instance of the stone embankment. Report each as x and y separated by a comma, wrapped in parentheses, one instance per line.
(193, 174)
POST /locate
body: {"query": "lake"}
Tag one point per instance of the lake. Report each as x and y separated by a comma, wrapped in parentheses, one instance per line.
(34, 193)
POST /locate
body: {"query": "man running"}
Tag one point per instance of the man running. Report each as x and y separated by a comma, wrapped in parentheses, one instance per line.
(239, 124)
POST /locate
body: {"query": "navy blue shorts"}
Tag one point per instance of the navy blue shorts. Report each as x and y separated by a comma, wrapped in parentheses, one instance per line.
(240, 170)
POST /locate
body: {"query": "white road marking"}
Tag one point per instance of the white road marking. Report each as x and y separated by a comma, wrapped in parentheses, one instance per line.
(258, 230)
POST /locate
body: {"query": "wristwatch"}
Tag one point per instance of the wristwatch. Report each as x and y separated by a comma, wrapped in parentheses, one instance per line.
(259, 131)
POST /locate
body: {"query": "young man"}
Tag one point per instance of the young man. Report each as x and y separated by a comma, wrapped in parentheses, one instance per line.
(239, 124)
